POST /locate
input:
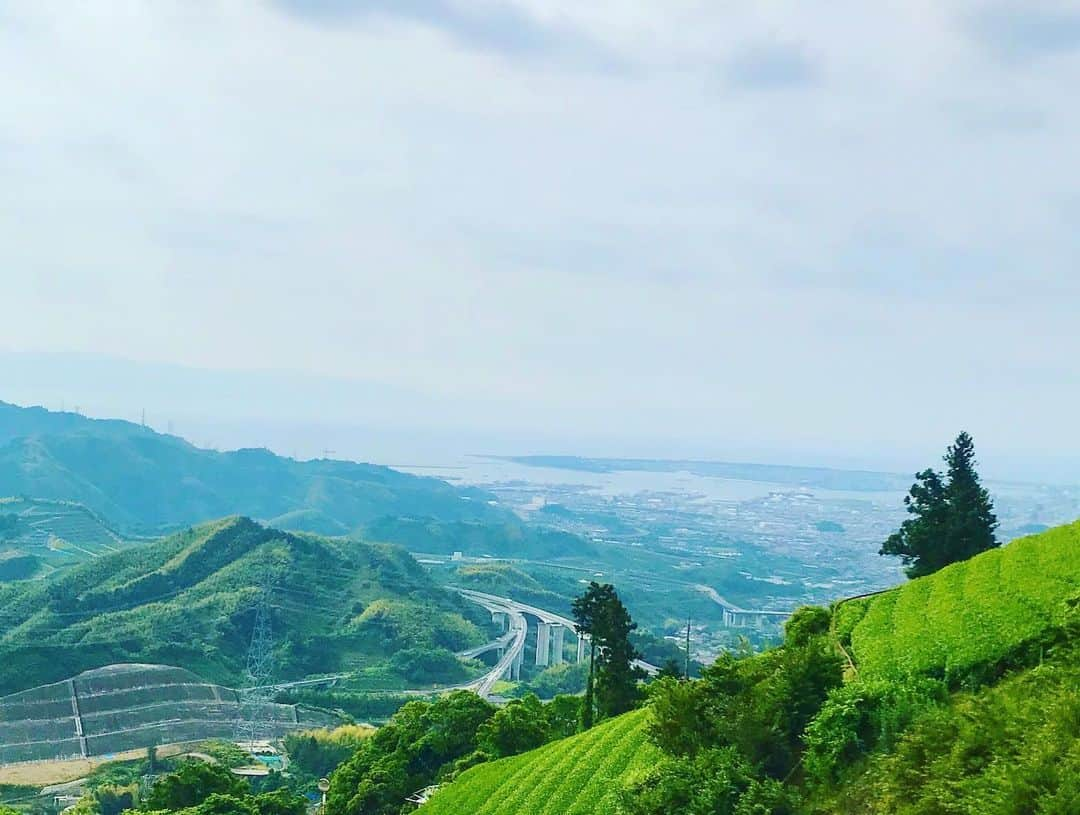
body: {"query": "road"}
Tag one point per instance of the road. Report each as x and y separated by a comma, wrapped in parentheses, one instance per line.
(513, 643)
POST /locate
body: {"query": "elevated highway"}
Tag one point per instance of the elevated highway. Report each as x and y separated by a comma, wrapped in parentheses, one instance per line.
(550, 629)
(737, 617)
(550, 632)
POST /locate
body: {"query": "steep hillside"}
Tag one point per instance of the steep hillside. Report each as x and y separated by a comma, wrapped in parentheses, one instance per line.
(52, 534)
(1006, 749)
(970, 614)
(188, 600)
(146, 481)
(580, 775)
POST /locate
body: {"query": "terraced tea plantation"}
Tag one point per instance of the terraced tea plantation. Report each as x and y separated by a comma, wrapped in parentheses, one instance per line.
(54, 533)
(574, 776)
(967, 614)
(127, 707)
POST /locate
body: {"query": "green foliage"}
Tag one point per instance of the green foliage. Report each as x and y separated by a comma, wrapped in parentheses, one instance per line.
(519, 726)
(422, 666)
(420, 741)
(611, 686)
(16, 565)
(580, 775)
(971, 620)
(567, 677)
(191, 784)
(317, 753)
(736, 734)
(861, 717)
(952, 517)
(187, 600)
(805, 624)
(717, 781)
(116, 774)
(225, 753)
(363, 707)
(277, 802)
(1010, 749)
(111, 800)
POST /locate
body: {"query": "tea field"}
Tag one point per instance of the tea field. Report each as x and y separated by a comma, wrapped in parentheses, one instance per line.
(573, 776)
(968, 614)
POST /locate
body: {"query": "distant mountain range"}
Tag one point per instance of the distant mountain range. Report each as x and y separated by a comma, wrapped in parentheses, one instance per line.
(147, 482)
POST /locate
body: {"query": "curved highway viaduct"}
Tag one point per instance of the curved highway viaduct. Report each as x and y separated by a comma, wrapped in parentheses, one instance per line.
(550, 631)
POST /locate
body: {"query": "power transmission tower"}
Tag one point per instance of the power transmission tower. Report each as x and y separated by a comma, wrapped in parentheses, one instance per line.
(253, 717)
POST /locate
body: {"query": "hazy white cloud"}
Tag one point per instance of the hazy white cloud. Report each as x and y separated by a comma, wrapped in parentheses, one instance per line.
(783, 222)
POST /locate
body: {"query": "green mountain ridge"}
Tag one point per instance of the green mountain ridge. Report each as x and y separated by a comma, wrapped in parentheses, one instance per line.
(149, 482)
(188, 600)
(993, 643)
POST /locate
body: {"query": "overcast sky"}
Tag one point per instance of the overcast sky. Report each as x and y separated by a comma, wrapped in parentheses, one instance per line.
(623, 227)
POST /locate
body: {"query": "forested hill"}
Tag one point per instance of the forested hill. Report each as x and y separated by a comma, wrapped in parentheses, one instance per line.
(188, 600)
(148, 482)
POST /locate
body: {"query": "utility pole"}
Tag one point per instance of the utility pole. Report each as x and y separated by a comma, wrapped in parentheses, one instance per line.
(686, 672)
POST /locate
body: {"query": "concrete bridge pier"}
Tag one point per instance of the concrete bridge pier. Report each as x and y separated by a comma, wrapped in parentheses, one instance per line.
(543, 644)
(557, 633)
(580, 647)
(500, 619)
(515, 667)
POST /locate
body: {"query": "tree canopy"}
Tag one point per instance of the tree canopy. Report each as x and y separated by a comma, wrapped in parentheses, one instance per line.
(952, 516)
(612, 685)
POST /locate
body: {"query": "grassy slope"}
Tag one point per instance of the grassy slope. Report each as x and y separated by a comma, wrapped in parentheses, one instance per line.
(146, 481)
(187, 600)
(573, 776)
(968, 614)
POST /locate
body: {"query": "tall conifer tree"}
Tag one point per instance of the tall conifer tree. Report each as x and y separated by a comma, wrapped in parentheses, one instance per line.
(952, 517)
(612, 682)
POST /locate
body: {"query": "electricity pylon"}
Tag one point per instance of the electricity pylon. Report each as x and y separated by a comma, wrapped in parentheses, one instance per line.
(253, 717)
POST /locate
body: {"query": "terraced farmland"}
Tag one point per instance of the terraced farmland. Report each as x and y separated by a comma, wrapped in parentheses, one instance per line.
(967, 614)
(57, 533)
(574, 776)
(126, 707)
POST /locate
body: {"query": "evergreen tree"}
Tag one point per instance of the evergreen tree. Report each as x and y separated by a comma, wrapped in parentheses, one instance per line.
(586, 611)
(612, 685)
(952, 518)
(972, 522)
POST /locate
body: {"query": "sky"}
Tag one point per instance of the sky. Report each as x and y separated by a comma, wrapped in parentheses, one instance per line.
(784, 231)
